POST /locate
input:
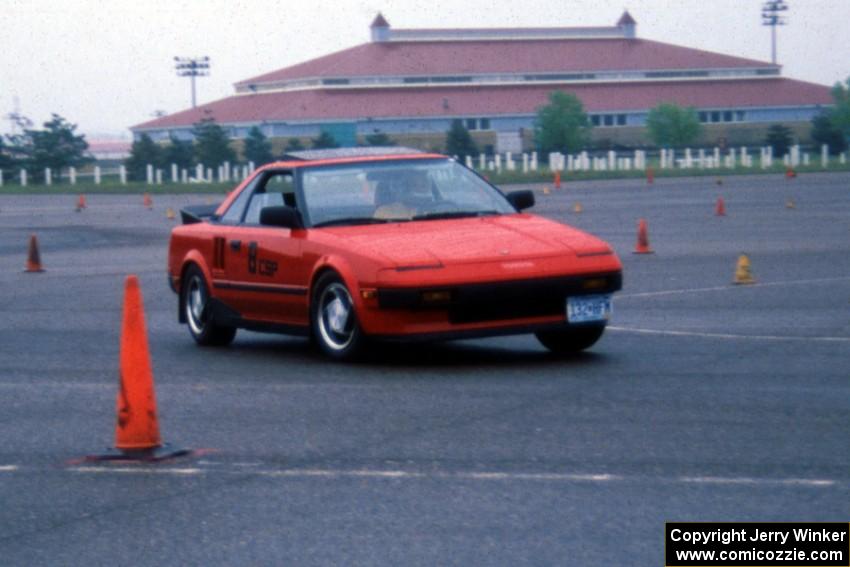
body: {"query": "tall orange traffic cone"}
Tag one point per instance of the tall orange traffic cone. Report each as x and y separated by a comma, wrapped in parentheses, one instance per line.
(557, 179)
(81, 203)
(743, 274)
(33, 257)
(147, 201)
(642, 246)
(137, 427)
(137, 435)
(720, 208)
(650, 175)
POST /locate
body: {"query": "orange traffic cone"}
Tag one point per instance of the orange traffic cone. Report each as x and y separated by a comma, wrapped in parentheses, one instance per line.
(137, 427)
(557, 179)
(137, 435)
(650, 175)
(720, 209)
(642, 246)
(81, 203)
(33, 257)
(147, 201)
(577, 208)
(790, 173)
(743, 273)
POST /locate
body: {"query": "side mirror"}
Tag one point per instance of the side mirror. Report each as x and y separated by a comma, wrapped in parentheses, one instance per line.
(282, 216)
(521, 200)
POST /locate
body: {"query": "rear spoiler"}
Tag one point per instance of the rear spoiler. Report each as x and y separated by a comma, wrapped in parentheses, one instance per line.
(198, 213)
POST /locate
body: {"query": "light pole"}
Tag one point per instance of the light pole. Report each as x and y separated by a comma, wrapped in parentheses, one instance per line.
(192, 67)
(771, 15)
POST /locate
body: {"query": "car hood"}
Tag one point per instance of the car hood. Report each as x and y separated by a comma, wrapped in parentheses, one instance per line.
(472, 240)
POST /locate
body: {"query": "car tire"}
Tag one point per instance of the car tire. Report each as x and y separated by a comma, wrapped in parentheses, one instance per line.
(194, 303)
(571, 339)
(333, 320)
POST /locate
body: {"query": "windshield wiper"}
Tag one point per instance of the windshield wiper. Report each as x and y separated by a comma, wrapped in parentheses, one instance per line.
(454, 215)
(355, 220)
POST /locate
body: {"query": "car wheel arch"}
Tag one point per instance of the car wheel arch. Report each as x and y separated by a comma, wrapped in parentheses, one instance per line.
(191, 259)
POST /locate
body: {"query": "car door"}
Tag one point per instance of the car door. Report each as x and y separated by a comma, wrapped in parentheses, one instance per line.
(265, 272)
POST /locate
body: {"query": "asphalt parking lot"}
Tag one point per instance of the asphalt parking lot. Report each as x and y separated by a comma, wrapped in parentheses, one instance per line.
(704, 401)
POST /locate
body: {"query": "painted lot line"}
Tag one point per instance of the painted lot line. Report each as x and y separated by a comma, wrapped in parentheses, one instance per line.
(725, 336)
(392, 474)
(729, 287)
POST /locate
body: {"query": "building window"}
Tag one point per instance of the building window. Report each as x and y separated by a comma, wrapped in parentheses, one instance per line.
(621, 120)
(703, 116)
(739, 115)
(609, 119)
(484, 124)
(727, 116)
(715, 116)
(471, 124)
(594, 120)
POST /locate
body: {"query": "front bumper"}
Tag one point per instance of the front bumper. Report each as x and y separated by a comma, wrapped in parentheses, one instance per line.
(480, 309)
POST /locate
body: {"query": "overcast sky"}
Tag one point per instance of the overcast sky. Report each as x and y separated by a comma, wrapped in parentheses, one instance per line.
(107, 65)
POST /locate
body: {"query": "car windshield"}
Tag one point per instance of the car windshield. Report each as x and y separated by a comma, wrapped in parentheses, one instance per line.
(397, 191)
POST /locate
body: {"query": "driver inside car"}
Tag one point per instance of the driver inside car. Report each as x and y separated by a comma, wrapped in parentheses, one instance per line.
(403, 196)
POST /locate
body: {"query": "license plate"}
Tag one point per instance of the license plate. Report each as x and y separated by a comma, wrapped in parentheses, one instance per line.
(588, 308)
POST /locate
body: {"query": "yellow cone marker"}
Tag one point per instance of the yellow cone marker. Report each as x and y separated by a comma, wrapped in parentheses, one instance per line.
(546, 190)
(169, 213)
(577, 208)
(789, 204)
(743, 274)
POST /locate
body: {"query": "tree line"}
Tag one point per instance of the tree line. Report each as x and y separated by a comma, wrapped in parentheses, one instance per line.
(564, 126)
(55, 146)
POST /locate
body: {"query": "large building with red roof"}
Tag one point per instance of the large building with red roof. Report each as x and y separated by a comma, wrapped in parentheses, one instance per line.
(411, 83)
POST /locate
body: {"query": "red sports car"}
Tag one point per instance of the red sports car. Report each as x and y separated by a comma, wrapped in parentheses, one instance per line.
(392, 246)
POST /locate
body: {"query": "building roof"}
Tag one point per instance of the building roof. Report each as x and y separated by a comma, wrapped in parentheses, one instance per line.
(626, 20)
(500, 56)
(491, 101)
(380, 22)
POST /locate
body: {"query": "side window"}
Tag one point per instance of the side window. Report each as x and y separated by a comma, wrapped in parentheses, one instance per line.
(234, 213)
(277, 189)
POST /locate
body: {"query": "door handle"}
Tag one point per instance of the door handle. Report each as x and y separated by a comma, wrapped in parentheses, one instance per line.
(235, 245)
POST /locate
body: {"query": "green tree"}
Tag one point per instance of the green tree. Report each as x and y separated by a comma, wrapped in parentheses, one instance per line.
(54, 147)
(6, 159)
(325, 141)
(257, 147)
(294, 145)
(825, 132)
(779, 137)
(562, 125)
(212, 145)
(672, 126)
(379, 139)
(179, 152)
(143, 152)
(840, 114)
(459, 141)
